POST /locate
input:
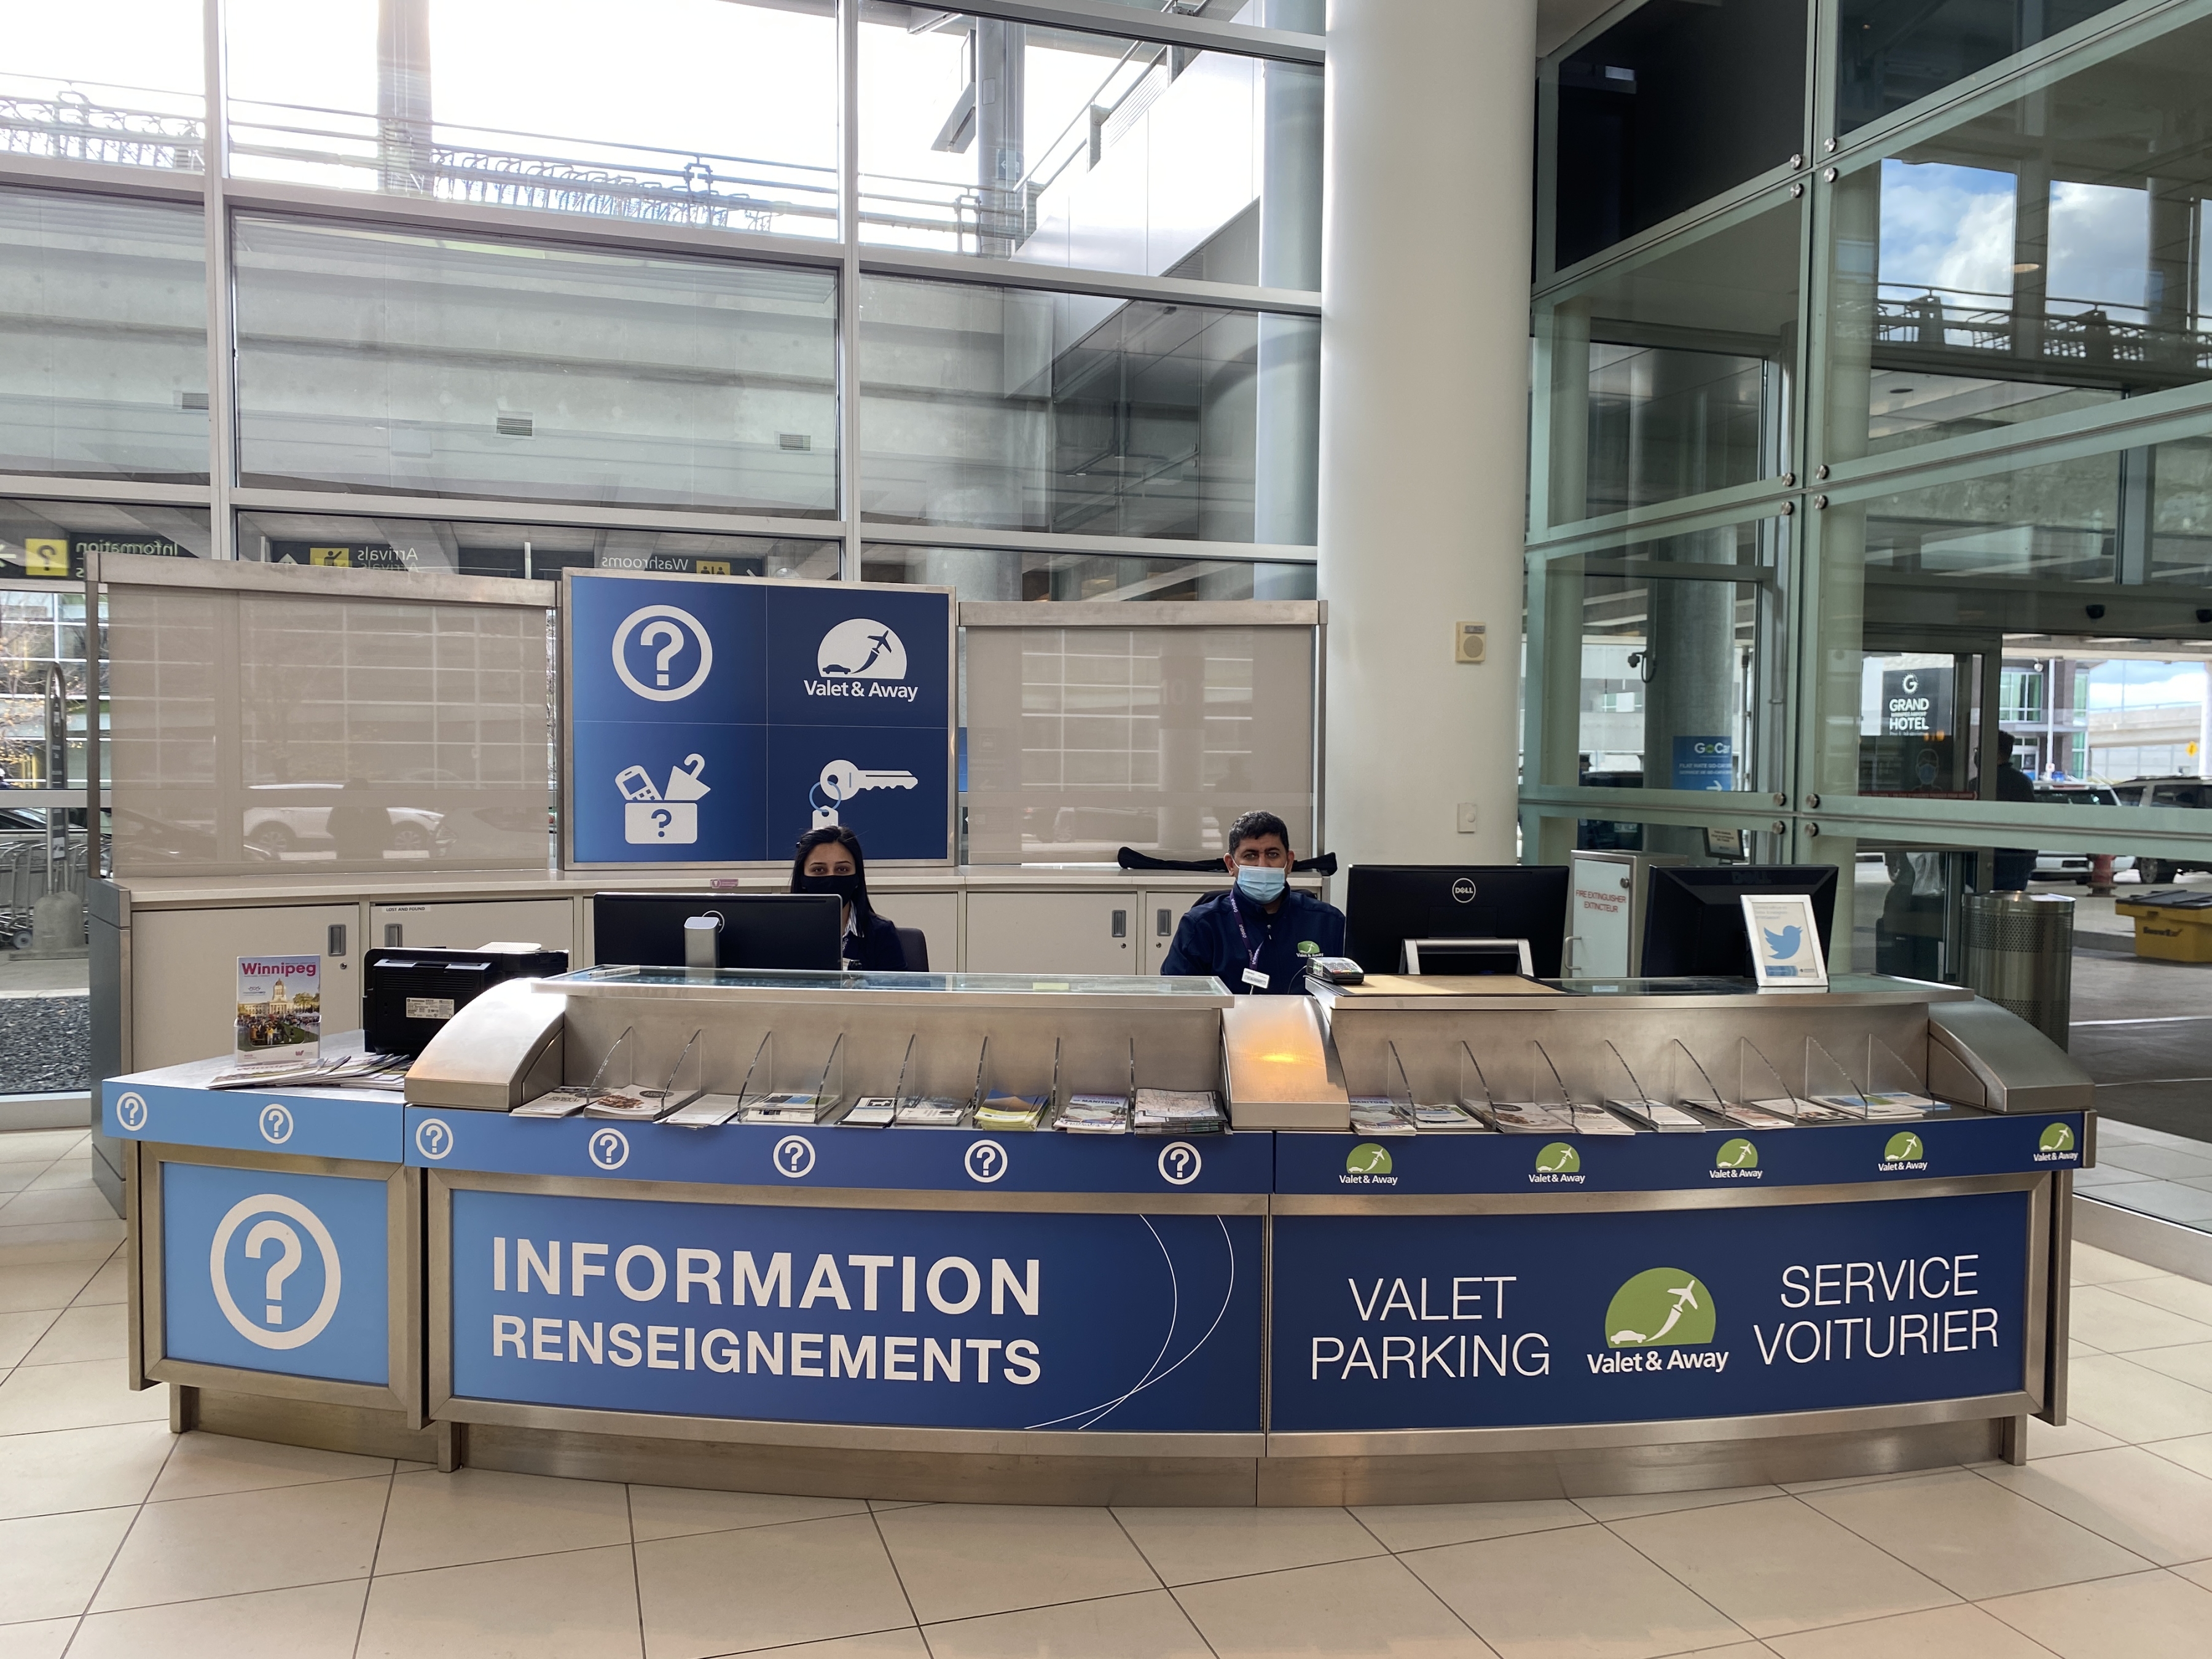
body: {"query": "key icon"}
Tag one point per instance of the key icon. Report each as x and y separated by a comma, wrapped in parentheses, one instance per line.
(841, 780)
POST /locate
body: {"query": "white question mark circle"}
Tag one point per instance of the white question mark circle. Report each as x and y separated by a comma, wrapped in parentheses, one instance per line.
(131, 1111)
(1180, 1163)
(986, 1161)
(794, 1156)
(610, 1148)
(261, 1204)
(276, 1124)
(433, 1137)
(667, 617)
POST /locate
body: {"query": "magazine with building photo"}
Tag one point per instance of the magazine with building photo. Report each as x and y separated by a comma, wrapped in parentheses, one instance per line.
(280, 1009)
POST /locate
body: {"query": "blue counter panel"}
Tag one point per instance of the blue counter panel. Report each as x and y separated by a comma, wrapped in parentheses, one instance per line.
(287, 1273)
(962, 1320)
(1483, 1322)
(1964, 1143)
(766, 1155)
(320, 1124)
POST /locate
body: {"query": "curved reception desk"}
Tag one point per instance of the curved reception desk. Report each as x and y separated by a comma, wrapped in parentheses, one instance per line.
(1728, 1238)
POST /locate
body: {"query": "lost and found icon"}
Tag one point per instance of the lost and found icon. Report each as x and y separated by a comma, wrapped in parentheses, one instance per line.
(664, 818)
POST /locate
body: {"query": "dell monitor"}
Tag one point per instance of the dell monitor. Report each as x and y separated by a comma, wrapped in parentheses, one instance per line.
(1387, 904)
(734, 930)
(1693, 927)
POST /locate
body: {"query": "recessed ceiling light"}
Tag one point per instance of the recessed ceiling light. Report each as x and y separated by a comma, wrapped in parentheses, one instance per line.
(2022, 270)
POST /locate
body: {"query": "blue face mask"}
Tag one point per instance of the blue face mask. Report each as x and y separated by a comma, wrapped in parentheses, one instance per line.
(1259, 883)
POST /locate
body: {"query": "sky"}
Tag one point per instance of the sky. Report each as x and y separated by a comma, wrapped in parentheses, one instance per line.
(2115, 685)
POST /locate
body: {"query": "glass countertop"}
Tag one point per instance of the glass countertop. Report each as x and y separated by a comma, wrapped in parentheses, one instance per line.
(735, 979)
(1838, 983)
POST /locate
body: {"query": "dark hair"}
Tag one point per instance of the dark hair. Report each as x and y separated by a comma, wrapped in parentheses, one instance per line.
(1253, 825)
(845, 838)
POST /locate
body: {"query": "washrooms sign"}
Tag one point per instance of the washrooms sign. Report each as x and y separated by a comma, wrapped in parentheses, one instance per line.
(716, 720)
(275, 1272)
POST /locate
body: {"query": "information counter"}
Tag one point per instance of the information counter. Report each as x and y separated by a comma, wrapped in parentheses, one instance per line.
(1275, 1314)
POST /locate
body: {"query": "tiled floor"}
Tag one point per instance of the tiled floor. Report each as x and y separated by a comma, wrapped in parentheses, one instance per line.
(116, 1539)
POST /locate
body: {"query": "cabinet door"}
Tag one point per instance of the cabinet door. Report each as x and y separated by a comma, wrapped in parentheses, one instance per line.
(1053, 934)
(548, 923)
(938, 916)
(1162, 916)
(184, 973)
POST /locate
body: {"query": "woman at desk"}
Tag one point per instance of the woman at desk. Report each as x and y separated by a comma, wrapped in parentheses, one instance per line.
(831, 862)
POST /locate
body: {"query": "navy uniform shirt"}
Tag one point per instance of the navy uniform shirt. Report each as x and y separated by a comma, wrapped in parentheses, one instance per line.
(1209, 941)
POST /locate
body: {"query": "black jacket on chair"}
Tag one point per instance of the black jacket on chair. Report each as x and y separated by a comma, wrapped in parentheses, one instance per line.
(877, 950)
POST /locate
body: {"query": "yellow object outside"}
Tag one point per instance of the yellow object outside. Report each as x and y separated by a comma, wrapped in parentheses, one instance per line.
(2170, 935)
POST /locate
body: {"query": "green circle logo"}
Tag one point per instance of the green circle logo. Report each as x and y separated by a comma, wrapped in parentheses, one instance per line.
(1558, 1159)
(1736, 1154)
(1905, 1147)
(1660, 1308)
(2055, 1138)
(1309, 948)
(1367, 1158)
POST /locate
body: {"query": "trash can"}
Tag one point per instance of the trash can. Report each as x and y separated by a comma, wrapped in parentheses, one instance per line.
(2020, 955)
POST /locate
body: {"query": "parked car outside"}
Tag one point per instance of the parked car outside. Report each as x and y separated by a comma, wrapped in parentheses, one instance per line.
(2167, 792)
(2075, 867)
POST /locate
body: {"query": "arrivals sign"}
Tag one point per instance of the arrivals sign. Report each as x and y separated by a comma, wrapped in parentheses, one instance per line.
(1510, 1321)
(716, 721)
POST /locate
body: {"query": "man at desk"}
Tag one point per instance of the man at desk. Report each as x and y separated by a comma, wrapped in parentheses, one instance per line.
(1259, 935)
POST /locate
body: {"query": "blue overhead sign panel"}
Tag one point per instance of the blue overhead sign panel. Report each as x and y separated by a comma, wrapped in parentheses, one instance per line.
(716, 722)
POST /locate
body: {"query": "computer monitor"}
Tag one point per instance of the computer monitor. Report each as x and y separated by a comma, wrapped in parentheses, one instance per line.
(1468, 956)
(1387, 904)
(758, 930)
(1693, 927)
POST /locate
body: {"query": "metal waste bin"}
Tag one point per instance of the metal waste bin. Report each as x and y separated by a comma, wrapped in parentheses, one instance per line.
(2020, 955)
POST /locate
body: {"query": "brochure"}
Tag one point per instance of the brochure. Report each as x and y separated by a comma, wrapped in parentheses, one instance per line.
(872, 1113)
(564, 1102)
(1747, 1115)
(1447, 1118)
(1375, 1115)
(280, 1008)
(708, 1112)
(933, 1113)
(1010, 1112)
(1177, 1112)
(787, 1106)
(1657, 1114)
(628, 1105)
(1094, 1114)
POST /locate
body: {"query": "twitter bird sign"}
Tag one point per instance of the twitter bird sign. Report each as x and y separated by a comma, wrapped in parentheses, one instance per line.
(1785, 943)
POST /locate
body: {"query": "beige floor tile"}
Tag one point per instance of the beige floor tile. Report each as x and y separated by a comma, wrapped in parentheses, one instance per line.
(207, 1465)
(679, 1511)
(35, 1241)
(581, 1604)
(2145, 1503)
(2150, 1615)
(2044, 1441)
(79, 1395)
(1580, 1591)
(20, 1333)
(2102, 1316)
(880, 1504)
(73, 1203)
(16, 1178)
(316, 1621)
(110, 1285)
(1371, 1607)
(84, 1334)
(765, 1587)
(960, 1560)
(1187, 1545)
(49, 1285)
(1976, 1538)
(2094, 1266)
(1959, 1632)
(1779, 1565)
(905, 1643)
(2115, 1394)
(1798, 1488)
(1148, 1625)
(46, 1638)
(1425, 1526)
(2191, 1363)
(2192, 1452)
(247, 1541)
(81, 1468)
(38, 1145)
(483, 1515)
(2196, 1572)
(1662, 1503)
(2192, 1298)
(49, 1565)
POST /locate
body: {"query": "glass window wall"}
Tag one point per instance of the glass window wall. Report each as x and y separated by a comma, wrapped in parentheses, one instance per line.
(1002, 573)
(375, 360)
(1053, 146)
(713, 112)
(114, 82)
(522, 552)
(103, 337)
(1015, 409)
(1889, 56)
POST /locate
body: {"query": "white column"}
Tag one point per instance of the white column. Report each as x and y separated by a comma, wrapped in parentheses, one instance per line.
(1424, 437)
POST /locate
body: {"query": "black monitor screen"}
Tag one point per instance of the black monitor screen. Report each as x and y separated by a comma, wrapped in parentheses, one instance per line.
(1387, 904)
(1693, 927)
(759, 930)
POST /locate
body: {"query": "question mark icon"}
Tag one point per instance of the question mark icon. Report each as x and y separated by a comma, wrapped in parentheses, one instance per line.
(1180, 1163)
(672, 638)
(662, 817)
(286, 1264)
(986, 1161)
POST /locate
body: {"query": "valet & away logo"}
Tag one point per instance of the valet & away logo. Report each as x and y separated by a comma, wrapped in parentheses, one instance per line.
(861, 658)
(1736, 1160)
(1367, 1165)
(1905, 1151)
(1557, 1164)
(1660, 1308)
(2057, 1143)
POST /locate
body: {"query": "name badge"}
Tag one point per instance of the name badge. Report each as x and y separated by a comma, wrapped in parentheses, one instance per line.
(1256, 979)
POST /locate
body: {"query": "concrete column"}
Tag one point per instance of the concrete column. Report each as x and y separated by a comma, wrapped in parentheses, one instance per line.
(1001, 102)
(402, 95)
(1288, 409)
(1424, 440)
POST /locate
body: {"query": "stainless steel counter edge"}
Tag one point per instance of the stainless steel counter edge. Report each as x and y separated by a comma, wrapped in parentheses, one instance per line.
(1665, 1198)
(1007, 1000)
(850, 1198)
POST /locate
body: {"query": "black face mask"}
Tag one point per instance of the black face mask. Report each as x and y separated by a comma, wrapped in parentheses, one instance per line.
(852, 889)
